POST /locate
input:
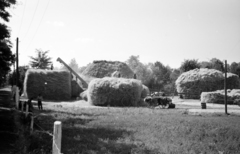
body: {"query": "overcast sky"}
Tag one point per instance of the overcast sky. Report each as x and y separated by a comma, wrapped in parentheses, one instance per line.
(168, 31)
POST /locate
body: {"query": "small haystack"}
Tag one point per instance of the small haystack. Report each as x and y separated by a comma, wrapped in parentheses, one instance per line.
(218, 96)
(115, 92)
(100, 69)
(53, 85)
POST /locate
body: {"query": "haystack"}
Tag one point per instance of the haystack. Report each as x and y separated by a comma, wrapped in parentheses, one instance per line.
(114, 92)
(204, 80)
(218, 96)
(100, 69)
(53, 85)
(145, 91)
(76, 89)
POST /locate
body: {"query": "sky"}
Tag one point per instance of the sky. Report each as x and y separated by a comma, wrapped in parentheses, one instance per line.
(168, 31)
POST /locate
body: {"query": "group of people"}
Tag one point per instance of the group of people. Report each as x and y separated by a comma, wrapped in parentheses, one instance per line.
(29, 102)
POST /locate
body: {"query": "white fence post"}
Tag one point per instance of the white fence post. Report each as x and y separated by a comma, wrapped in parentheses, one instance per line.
(57, 137)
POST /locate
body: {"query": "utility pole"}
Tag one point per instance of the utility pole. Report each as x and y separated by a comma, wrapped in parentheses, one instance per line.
(17, 74)
(225, 87)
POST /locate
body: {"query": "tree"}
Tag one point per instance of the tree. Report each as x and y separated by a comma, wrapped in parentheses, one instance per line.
(6, 55)
(217, 64)
(190, 64)
(205, 64)
(233, 67)
(143, 72)
(73, 64)
(41, 61)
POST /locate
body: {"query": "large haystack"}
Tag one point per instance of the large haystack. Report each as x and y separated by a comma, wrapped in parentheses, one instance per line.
(57, 87)
(204, 80)
(115, 91)
(100, 69)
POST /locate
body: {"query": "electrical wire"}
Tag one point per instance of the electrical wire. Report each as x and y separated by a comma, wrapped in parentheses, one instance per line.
(39, 24)
(31, 20)
(22, 17)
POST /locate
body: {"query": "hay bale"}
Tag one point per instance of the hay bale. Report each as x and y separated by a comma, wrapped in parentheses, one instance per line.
(145, 91)
(83, 95)
(76, 89)
(114, 92)
(218, 96)
(100, 69)
(204, 80)
(212, 97)
(58, 84)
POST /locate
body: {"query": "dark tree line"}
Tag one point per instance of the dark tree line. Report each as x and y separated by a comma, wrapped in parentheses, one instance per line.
(6, 55)
(158, 76)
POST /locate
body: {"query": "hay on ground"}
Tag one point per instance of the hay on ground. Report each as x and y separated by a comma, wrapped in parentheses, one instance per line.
(115, 92)
(83, 95)
(57, 87)
(218, 96)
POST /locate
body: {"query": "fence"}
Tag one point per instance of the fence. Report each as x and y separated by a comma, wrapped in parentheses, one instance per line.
(57, 128)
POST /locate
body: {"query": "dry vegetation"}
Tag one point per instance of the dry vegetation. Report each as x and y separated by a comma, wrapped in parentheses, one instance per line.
(138, 131)
(57, 87)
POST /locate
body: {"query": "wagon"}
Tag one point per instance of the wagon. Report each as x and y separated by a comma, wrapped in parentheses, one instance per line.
(162, 102)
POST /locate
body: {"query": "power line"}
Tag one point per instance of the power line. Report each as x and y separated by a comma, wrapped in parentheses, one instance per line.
(22, 17)
(39, 24)
(31, 20)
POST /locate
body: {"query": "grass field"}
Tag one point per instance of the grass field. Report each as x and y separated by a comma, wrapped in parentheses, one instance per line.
(138, 131)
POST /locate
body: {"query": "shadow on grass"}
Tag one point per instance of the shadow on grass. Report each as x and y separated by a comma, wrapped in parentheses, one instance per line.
(79, 137)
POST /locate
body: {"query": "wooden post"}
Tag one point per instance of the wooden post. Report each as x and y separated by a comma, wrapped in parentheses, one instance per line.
(22, 107)
(27, 108)
(32, 122)
(17, 98)
(57, 137)
(225, 87)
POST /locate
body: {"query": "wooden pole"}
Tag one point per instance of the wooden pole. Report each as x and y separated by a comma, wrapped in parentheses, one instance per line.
(57, 137)
(225, 87)
(17, 73)
(32, 122)
(27, 109)
(22, 107)
(17, 98)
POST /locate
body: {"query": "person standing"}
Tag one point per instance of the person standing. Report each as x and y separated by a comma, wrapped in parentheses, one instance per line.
(40, 98)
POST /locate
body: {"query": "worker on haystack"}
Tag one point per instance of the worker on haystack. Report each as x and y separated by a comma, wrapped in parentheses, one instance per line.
(40, 98)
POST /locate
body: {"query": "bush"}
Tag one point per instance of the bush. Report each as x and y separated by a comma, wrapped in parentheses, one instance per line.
(114, 92)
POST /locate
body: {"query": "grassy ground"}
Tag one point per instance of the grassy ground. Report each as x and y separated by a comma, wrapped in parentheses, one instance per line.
(137, 131)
